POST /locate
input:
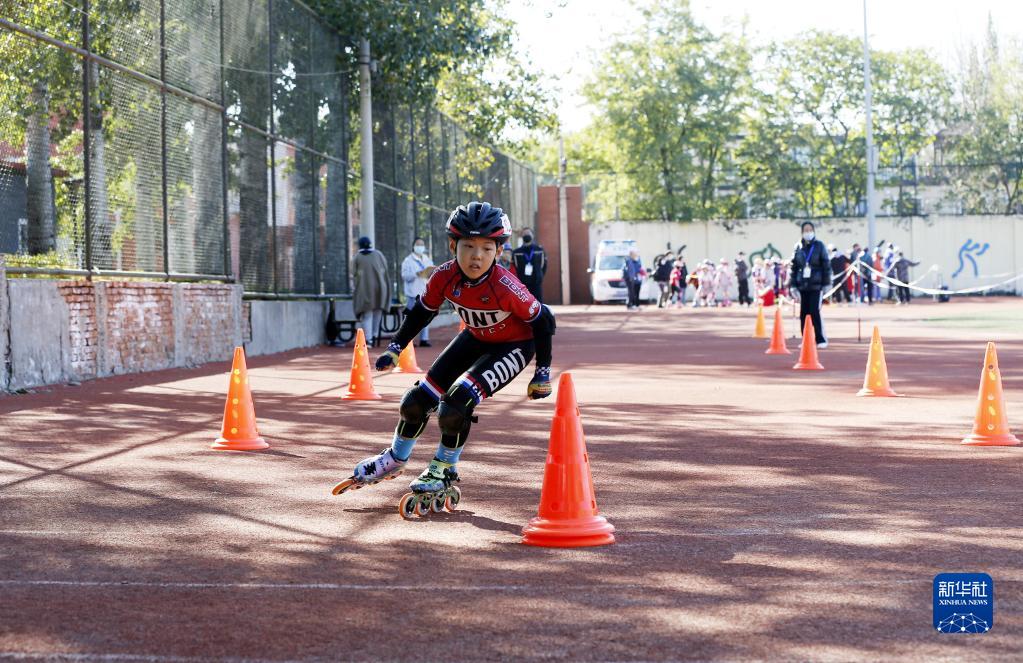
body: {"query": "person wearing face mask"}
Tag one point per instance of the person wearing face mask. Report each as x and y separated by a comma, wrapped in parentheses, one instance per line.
(529, 262)
(810, 274)
(415, 270)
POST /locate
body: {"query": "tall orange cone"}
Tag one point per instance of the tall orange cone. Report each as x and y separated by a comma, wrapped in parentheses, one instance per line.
(360, 387)
(761, 329)
(567, 517)
(991, 426)
(407, 361)
(808, 350)
(238, 432)
(778, 336)
(875, 381)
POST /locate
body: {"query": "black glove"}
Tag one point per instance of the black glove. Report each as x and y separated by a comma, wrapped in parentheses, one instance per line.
(389, 359)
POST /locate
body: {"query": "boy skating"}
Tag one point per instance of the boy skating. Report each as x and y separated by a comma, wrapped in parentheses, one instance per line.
(505, 327)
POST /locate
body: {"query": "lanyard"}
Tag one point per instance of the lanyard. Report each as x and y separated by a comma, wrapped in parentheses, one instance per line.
(529, 256)
(809, 256)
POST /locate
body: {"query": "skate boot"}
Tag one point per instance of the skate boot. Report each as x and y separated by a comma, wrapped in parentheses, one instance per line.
(371, 471)
(433, 490)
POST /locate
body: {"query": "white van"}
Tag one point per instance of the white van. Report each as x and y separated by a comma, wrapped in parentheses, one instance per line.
(606, 283)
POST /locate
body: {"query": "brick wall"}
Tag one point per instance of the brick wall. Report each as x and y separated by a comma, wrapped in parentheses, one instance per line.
(205, 323)
(77, 330)
(138, 326)
(80, 298)
(5, 321)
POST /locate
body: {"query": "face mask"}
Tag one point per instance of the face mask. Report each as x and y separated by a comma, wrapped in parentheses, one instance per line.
(420, 250)
(808, 237)
(527, 239)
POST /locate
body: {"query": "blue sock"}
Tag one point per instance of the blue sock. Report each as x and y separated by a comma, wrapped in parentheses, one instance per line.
(447, 454)
(401, 447)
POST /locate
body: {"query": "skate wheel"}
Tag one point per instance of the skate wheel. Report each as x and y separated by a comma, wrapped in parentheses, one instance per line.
(343, 486)
(422, 508)
(437, 504)
(407, 506)
(393, 476)
(452, 499)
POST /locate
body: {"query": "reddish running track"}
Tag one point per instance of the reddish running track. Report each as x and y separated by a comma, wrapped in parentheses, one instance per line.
(762, 513)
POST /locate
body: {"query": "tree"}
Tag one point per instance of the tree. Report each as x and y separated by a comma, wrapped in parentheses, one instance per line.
(40, 103)
(671, 98)
(911, 99)
(988, 138)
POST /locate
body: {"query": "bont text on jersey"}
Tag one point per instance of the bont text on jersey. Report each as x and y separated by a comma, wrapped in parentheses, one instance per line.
(480, 318)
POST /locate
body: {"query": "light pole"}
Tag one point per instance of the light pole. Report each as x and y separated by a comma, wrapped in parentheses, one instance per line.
(367, 217)
(871, 156)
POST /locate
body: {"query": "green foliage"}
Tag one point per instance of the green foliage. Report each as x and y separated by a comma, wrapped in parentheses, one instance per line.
(989, 131)
(670, 98)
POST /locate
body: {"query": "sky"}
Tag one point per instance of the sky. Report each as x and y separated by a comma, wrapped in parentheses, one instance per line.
(563, 37)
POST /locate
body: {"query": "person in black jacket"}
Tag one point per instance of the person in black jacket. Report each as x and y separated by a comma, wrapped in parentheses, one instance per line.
(811, 273)
(839, 263)
(530, 264)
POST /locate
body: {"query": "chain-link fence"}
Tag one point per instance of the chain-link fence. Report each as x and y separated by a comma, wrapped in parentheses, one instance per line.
(210, 140)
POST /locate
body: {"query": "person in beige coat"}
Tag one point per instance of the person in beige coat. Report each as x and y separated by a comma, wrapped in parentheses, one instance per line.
(372, 291)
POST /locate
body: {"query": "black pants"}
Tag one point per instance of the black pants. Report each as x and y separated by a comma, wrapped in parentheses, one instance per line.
(633, 287)
(841, 294)
(535, 288)
(487, 367)
(904, 294)
(810, 305)
(744, 297)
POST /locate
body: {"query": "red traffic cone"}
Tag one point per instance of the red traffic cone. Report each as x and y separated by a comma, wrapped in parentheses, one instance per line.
(238, 432)
(567, 517)
(407, 361)
(360, 387)
(808, 351)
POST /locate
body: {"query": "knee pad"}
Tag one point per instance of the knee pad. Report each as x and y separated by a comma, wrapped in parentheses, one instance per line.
(416, 406)
(453, 417)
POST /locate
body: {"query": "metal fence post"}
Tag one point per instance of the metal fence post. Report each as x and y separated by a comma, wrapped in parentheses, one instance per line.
(163, 138)
(86, 138)
(273, 132)
(223, 155)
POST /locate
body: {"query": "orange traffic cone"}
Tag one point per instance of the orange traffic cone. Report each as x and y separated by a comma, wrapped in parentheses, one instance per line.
(761, 329)
(991, 426)
(567, 517)
(808, 350)
(238, 432)
(407, 361)
(875, 381)
(778, 336)
(360, 388)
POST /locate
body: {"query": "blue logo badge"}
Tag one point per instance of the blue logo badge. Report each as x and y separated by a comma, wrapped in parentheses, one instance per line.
(964, 603)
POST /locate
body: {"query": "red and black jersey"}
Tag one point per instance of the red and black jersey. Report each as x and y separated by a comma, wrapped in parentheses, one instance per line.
(496, 309)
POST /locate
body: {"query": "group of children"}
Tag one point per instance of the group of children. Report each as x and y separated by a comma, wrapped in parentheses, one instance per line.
(713, 284)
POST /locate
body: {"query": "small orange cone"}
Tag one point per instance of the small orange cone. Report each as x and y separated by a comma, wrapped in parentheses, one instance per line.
(761, 329)
(808, 351)
(567, 517)
(407, 361)
(875, 381)
(991, 426)
(360, 387)
(238, 432)
(778, 336)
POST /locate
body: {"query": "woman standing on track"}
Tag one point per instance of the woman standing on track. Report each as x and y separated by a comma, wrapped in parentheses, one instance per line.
(810, 274)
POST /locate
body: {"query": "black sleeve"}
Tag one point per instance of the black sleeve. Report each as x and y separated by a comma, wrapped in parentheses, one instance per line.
(543, 331)
(826, 264)
(415, 320)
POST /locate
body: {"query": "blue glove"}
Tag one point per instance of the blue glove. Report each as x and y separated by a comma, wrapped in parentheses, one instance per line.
(389, 359)
(540, 385)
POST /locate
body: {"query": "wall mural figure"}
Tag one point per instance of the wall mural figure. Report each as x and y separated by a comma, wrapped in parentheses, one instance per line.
(765, 253)
(968, 250)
